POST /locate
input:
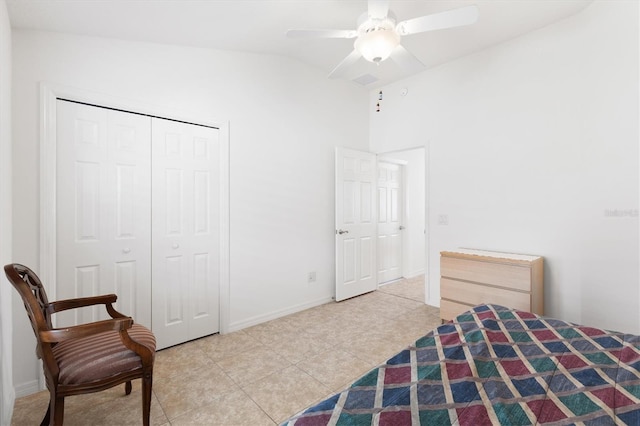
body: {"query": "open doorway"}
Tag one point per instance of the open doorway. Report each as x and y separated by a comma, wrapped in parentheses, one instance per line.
(402, 217)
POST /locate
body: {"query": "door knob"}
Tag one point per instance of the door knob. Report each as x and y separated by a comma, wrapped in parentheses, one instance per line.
(175, 246)
(340, 231)
(126, 250)
(401, 227)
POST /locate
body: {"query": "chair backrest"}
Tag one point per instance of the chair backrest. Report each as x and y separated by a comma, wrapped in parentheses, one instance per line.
(30, 288)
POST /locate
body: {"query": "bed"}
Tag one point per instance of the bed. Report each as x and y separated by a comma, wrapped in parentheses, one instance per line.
(495, 365)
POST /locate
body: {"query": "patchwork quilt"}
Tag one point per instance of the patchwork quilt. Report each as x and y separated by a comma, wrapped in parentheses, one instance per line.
(496, 366)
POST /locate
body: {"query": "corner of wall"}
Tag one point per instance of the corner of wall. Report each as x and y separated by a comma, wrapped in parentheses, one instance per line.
(7, 392)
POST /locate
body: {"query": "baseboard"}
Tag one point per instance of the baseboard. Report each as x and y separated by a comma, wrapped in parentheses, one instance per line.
(27, 388)
(259, 319)
(415, 273)
(380, 285)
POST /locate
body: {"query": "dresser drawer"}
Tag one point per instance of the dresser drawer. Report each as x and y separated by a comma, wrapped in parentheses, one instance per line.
(475, 294)
(449, 309)
(494, 273)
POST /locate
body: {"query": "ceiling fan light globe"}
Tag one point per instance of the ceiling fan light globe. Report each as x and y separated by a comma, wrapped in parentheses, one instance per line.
(376, 45)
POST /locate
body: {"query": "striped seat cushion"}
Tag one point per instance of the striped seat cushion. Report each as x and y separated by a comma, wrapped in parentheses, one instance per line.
(97, 357)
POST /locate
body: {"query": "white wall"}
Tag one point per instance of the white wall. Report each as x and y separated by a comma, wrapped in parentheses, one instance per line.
(7, 394)
(531, 143)
(285, 119)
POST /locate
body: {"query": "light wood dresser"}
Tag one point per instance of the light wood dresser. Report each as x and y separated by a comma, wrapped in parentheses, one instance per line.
(472, 277)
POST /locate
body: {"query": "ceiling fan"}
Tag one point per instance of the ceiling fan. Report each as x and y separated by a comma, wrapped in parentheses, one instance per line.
(378, 35)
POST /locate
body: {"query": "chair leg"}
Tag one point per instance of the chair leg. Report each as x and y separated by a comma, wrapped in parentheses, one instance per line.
(127, 388)
(47, 416)
(147, 381)
(55, 412)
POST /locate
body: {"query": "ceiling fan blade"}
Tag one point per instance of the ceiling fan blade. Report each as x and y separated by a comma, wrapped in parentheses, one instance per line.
(448, 19)
(322, 33)
(345, 64)
(406, 60)
(378, 9)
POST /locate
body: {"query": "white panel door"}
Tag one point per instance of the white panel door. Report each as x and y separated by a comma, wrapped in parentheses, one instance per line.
(185, 231)
(390, 214)
(355, 223)
(103, 208)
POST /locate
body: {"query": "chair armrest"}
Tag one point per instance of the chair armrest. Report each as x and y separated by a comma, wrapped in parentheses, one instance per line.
(60, 334)
(63, 305)
(107, 300)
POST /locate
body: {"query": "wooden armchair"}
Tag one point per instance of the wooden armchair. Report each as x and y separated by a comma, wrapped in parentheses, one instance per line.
(89, 357)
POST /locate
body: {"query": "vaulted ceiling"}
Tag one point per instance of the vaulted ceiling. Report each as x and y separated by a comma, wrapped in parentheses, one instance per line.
(259, 26)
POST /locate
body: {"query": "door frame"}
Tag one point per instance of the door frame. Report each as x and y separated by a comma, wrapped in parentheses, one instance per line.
(49, 93)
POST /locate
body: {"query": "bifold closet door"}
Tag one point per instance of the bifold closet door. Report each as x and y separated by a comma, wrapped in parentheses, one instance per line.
(185, 231)
(103, 196)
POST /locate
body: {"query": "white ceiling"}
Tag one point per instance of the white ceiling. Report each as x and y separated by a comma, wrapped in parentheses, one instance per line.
(259, 26)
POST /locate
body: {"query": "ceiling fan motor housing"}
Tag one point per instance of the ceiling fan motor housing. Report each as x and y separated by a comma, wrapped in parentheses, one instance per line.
(376, 37)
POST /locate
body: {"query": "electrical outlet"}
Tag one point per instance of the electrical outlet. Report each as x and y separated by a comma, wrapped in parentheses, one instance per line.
(311, 277)
(443, 219)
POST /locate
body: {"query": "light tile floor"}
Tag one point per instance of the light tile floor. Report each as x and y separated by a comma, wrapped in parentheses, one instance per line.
(263, 374)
